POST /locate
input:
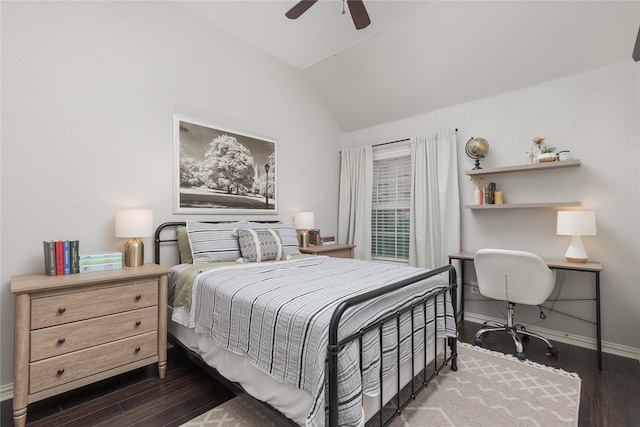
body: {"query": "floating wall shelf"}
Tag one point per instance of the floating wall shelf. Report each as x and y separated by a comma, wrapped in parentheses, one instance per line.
(523, 205)
(524, 168)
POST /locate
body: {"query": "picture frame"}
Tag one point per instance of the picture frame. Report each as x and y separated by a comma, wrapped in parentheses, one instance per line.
(221, 171)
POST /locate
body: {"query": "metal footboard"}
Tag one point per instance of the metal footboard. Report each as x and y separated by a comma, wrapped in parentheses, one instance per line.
(335, 345)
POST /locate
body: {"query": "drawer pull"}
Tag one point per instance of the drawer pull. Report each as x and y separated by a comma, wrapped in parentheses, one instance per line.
(60, 371)
(137, 349)
(138, 323)
(138, 297)
(62, 310)
(61, 340)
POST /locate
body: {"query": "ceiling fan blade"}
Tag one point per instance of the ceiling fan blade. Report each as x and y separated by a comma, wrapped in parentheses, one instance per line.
(636, 50)
(358, 14)
(300, 8)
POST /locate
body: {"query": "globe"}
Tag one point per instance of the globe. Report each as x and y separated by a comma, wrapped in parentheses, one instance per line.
(477, 148)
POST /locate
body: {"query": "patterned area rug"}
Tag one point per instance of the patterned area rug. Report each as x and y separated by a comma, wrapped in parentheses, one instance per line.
(489, 389)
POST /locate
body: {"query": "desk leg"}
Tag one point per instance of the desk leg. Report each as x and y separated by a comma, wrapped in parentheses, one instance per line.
(598, 321)
(461, 287)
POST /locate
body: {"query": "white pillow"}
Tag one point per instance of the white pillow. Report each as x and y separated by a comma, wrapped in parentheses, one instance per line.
(214, 242)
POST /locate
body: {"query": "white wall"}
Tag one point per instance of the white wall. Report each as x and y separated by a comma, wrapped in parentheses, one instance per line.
(88, 93)
(595, 115)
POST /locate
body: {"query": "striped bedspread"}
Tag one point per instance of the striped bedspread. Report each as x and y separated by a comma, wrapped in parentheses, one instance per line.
(278, 315)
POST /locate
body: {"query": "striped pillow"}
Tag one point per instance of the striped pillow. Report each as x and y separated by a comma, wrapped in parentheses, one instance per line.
(214, 242)
(287, 233)
(260, 245)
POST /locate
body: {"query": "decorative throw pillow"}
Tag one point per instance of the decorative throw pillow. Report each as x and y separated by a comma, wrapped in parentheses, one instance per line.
(183, 245)
(287, 233)
(260, 245)
(214, 242)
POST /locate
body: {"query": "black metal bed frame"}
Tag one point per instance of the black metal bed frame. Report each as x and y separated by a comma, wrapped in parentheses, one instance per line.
(335, 345)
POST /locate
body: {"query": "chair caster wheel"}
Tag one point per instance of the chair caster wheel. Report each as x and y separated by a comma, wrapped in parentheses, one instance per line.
(478, 340)
(553, 351)
(521, 356)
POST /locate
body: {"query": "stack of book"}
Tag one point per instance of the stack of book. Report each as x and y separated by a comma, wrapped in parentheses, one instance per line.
(61, 257)
(314, 237)
(328, 240)
(100, 261)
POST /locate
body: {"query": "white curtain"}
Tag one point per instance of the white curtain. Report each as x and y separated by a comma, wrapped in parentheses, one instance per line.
(435, 200)
(354, 205)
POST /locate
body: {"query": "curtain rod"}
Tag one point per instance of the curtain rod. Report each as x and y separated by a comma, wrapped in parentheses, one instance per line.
(394, 142)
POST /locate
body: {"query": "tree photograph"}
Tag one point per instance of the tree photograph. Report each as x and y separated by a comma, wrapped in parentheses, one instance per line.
(220, 171)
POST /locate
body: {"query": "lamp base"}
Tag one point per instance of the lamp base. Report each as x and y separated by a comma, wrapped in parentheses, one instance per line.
(133, 253)
(303, 238)
(575, 251)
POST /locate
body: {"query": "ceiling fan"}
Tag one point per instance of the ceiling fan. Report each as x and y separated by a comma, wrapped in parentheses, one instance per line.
(356, 8)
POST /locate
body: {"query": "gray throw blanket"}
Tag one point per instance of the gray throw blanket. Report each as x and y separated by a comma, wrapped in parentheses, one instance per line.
(278, 315)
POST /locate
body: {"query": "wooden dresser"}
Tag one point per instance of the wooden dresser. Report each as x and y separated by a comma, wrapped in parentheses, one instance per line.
(335, 251)
(77, 329)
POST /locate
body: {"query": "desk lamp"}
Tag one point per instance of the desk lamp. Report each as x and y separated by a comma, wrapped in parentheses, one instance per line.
(576, 224)
(304, 223)
(134, 223)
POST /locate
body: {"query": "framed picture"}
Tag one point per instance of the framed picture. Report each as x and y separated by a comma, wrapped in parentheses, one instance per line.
(219, 171)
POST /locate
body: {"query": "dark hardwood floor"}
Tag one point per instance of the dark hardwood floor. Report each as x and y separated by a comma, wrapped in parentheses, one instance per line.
(610, 397)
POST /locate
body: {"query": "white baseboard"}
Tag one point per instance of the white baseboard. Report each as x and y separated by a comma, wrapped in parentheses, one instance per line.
(6, 392)
(577, 340)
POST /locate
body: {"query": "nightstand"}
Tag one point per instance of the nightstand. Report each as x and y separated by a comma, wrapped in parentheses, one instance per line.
(77, 329)
(335, 251)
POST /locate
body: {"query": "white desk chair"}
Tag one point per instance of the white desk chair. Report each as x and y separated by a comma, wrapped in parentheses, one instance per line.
(518, 278)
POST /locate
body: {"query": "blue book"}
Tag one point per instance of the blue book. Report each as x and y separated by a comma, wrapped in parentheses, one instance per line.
(66, 257)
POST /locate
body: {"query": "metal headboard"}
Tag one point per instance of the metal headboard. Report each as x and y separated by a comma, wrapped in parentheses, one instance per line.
(158, 240)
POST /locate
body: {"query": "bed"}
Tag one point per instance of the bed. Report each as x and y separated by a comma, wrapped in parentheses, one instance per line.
(314, 337)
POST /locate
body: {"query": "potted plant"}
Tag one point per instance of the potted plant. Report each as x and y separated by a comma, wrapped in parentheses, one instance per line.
(547, 154)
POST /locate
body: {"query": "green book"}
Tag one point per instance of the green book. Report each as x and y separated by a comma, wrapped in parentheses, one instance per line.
(75, 256)
(105, 260)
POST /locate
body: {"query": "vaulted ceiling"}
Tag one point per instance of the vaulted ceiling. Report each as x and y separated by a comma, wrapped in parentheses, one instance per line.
(419, 56)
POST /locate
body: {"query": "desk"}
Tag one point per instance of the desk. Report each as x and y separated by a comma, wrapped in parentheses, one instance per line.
(557, 264)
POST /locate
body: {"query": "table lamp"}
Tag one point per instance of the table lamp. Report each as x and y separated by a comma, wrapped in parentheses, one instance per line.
(304, 223)
(134, 223)
(576, 224)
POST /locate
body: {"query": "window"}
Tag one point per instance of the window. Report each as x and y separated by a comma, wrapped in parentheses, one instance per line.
(390, 206)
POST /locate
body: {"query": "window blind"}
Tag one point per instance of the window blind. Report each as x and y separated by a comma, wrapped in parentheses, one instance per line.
(390, 208)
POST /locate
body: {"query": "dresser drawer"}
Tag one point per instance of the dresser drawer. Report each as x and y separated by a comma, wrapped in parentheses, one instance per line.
(61, 339)
(71, 307)
(60, 370)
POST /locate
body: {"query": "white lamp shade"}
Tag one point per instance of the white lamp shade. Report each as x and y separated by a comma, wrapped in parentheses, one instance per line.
(576, 223)
(134, 223)
(304, 220)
